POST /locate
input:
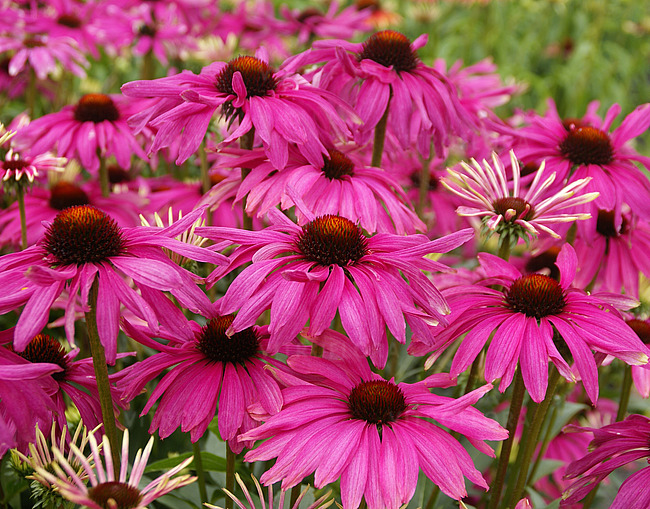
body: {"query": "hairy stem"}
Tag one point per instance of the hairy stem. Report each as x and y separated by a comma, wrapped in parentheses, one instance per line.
(101, 375)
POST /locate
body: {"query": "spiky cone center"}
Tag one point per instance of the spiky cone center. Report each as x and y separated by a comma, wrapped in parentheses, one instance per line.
(390, 48)
(332, 240)
(213, 342)
(113, 494)
(257, 75)
(337, 165)
(15, 164)
(83, 234)
(44, 348)
(606, 225)
(536, 295)
(32, 42)
(69, 20)
(545, 260)
(96, 108)
(377, 402)
(523, 209)
(587, 145)
(641, 328)
(66, 194)
(309, 12)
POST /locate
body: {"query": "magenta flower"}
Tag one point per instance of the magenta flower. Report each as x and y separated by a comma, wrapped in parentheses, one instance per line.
(343, 186)
(95, 127)
(283, 109)
(310, 273)
(105, 491)
(613, 446)
(345, 422)
(16, 166)
(613, 253)
(580, 148)
(524, 313)
(211, 372)
(424, 105)
(76, 380)
(83, 244)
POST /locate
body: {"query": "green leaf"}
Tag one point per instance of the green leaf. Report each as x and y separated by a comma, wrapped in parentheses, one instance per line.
(211, 462)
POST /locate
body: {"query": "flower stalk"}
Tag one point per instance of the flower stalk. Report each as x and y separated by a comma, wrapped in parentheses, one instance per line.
(200, 473)
(20, 195)
(380, 137)
(246, 142)
(230, 475)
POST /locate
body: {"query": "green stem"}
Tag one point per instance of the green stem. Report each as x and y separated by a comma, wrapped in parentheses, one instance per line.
(433, 497)
(101, 376)
(147, 69)
(246, 142)
(518, 393)
(532, 436)
(20, 194)
(31, 94)
(104, 182)
(545, 442)
(380, 137)
(230, 475)
(504, 248)
(423, 190)
(200, 473)
(625, 393)
(473, 371)
(316, 350)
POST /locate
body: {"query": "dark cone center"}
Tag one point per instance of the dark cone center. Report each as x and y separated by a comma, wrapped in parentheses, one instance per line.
(122, 495)
(587, 145)
(44, 348)
(329, 240)
(606, 226)
(545, 260)
(390, 48)
(641, 328)
(536, 295)
(69, 20)
(337, 165)
(65, 194)
(14, 164)
(523, 209)
(96, 108)
(239, 348)
(83, 234)
(377, 402)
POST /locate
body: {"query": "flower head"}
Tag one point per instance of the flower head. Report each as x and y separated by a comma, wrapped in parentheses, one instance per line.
(505, 207)
(104, 490)
(523, 312)
(16, 166)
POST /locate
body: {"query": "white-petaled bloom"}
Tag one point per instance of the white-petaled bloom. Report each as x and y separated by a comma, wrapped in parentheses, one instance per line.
(321, 503)
(105, 492)
(505, 207)
(187, 236)
(15, 166)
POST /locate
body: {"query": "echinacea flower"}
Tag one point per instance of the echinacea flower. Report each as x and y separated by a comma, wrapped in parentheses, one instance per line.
(105, 491)
(94, 127)
(613, 446)
(16, 166)
(524, 311)
(82, 245)
(322, 503)
(342, 421)
(282, 108)
(581, 148)
(386, 72)
(329, 265)
(343, 185)
(210, 372)
(507, 208)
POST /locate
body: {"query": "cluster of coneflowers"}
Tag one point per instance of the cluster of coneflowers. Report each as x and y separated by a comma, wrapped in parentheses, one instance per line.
(286, 240)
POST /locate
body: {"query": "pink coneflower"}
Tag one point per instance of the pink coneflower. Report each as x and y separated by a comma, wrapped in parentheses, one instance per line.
(210, 372)
(44, 204)
(523, 312)
(509, 210)
(95, 127)
(16, 166)
(83, 244)
(329, 265)
(76, 380)
(580, 148)
(615, 254)
(424, 105)
(26, 396)
(283, 109)
(42, 53)
(612, 447)
(345, 422)
(105, 491)
(322, 503)
(343, 185)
